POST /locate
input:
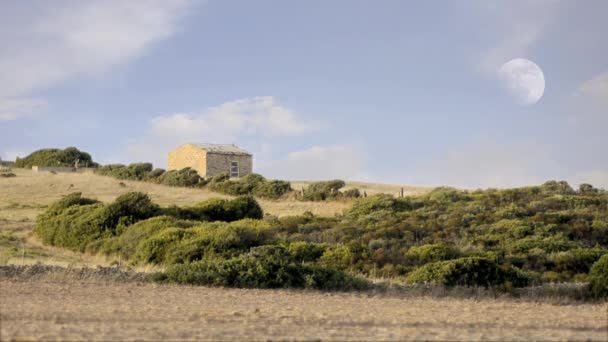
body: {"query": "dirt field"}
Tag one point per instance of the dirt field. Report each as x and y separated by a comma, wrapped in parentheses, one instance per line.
(72, 310)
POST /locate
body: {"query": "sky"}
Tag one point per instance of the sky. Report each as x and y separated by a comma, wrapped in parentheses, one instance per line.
(407, 92)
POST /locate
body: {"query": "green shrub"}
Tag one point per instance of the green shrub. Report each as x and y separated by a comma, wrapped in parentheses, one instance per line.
(219, 210)
(598, 278)
(577, 260)
(7, 175)
(302, 251)
(379, 203)
(273, 189)
(56, 157)
(185, 177)
(156, 248)
(252, 184)
(471, 271)
(128, 209)
(126, 243)
(262, 267)
(74, 222)
(420, 255)
(321, 191)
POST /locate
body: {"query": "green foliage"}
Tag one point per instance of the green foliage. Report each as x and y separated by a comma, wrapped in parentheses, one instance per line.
(252, 184)
(56, 157)
(219, 210)
(420, 255)
(469, 271)
(7, 174)
(185, 177)
(73, 221)
(135, 171)
(262, 267)
(379, 203)
(503, 238)
(321, 191)
(598, 278)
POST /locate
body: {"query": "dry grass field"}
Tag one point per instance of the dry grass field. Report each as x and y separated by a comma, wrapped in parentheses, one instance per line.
(72, 309)
(46, 310)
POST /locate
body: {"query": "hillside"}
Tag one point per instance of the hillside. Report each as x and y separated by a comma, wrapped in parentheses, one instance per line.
(23, 197)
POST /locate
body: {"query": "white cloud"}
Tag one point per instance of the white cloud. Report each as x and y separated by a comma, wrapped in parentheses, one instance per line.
(596, 88)
(61, 40)
(257, 117)
(318, 163)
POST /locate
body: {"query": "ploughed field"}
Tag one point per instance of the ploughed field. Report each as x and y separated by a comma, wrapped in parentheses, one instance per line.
(84, 310)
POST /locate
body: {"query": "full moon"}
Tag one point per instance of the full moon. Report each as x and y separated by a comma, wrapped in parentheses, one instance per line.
(523, 79)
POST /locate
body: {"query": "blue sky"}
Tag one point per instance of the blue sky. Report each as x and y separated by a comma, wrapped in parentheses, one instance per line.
(388, 91)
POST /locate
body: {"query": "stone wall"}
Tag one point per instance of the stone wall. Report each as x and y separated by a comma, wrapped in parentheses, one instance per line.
(219, 163)
(188, 156)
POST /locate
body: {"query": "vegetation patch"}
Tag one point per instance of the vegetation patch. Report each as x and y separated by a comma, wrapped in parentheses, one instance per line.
(252, 184)
(327, 190)
(56, 157)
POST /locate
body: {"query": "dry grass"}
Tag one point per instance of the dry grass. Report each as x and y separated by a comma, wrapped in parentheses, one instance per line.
(68, 310)
(24, 196)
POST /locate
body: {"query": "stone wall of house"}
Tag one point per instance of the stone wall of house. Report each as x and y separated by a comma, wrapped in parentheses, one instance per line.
(188, 156)
(219, 163)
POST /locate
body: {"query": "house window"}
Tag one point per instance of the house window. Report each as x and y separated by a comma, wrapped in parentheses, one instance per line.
(234, 169)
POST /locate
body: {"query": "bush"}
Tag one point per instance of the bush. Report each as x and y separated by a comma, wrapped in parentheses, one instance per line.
(56, 157)
(73, 222)
(471, 271)
(262, 267)
(321, 191)
(252, 184)
(128, 209)
(598, 278)
(379, 203)
(126, 243)
(219, 210)
(421, 255)
(7, 174)
(185, 177)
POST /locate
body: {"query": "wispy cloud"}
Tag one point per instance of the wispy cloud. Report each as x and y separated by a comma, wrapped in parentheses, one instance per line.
(597, 89)
(318, 163)
(259, 118)
(61, 40)
(517, 26)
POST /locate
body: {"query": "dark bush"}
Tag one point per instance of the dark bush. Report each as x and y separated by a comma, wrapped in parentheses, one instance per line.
(252, 184)
(321, 191)
(185, 177)
(420, 255)
(56, 157)
(73, 222)
(471, 271)
(598, 278)
(128, 209)
(7, 174)
(263, 267)
(219, 210)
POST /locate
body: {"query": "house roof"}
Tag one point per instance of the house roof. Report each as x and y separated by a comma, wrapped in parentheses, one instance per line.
(223, 149)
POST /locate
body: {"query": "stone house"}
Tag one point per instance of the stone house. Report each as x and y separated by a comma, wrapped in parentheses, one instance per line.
(212, 159)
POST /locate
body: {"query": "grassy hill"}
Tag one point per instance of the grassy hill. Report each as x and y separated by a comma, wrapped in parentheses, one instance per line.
(24, 197)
